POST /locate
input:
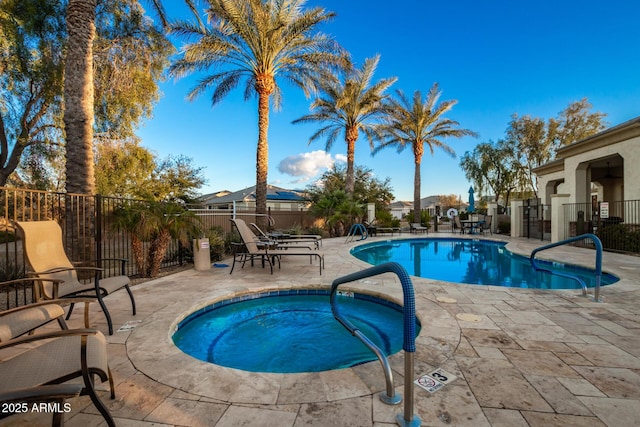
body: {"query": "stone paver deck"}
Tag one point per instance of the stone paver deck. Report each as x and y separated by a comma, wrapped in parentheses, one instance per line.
(522, 357)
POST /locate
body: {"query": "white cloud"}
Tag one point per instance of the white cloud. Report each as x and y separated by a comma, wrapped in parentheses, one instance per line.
(308, 165)
(341, 158)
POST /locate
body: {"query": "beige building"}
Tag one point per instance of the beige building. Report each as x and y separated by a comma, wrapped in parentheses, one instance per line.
(601, 168)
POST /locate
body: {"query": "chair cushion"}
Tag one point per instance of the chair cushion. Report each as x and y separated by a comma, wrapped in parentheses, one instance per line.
(21, 321)
(109, 284)
(52, 361)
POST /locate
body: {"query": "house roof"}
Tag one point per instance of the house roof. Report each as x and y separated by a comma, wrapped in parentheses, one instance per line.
(249, 195)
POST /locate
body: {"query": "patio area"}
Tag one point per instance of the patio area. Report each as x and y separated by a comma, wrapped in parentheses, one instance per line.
(521, 357)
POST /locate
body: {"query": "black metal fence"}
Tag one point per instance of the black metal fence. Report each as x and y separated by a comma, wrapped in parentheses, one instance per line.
(617, 224)
(536, 220)
(87, 225)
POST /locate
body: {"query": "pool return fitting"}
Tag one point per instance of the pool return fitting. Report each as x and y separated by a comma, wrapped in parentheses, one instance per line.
(409, 341)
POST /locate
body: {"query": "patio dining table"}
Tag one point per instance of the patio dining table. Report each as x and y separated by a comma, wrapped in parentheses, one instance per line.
(471, 224)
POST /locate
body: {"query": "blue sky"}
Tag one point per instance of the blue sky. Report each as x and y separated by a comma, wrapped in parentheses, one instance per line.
(495, 58)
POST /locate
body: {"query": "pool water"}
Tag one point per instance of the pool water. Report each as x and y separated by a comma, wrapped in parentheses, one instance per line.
(290, 332)
(477, 262)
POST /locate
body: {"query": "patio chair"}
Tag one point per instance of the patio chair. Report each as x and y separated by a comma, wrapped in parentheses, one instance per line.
(269, 251)
(56, 358)
(16, 321)
(416, 227)
(486, 226)
(45, 255)
(287, 239)
(458, 224)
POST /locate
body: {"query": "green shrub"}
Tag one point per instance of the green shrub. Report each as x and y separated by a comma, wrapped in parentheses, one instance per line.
(504, 227)
(619, 237)
(217, 243)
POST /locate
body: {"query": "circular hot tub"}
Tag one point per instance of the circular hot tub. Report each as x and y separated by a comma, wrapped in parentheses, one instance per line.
(290, 331)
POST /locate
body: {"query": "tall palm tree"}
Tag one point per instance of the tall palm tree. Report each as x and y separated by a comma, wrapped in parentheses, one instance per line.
(350, 107)
(257, 41)
(78, 91)
(78, 96)
(416, 123)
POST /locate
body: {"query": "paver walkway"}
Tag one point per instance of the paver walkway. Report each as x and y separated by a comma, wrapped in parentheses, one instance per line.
(521, 357)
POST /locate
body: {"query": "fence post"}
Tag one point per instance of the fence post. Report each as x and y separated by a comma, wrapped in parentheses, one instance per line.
(98, 226)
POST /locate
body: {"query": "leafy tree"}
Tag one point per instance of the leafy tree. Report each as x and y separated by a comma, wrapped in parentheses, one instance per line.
(31, 70)
(129, 57)
(258, 41)
(416, 123)
(490, 166)
(535, 140)
(576, 122)
(123, 168)
(129, 170)
(367, 188)
(448, 201)
(340, 210)
(350, 107)
(175, 178)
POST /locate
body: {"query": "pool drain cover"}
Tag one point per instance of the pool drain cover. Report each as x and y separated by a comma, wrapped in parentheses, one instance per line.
(468, 317)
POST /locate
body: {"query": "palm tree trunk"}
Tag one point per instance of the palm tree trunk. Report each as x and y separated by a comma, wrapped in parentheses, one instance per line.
(416, 192)
(78, 96)
(78, 120)
(418, 151)
(264, 86)
(138, 255)
(157, 252)
(351, 137)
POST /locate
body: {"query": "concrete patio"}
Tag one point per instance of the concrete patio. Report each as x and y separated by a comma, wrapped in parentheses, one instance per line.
(521, 357)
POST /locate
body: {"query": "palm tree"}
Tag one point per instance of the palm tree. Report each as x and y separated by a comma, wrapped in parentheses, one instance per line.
(352, 106)
(156, 223)
(78, 91)
(258, 41)
(416, 124)
(78, 96)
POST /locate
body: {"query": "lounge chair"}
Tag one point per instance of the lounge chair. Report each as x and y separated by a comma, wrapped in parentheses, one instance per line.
(416, 227)
(57, 357)
(287, 239)
(42, 244)
(269, 251)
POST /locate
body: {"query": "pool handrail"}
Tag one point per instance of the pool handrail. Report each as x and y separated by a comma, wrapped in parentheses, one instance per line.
(354, 229)
(409, 336)
(598, 245)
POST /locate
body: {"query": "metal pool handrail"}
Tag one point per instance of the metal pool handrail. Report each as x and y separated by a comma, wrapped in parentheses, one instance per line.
(598, 245)
(409, 337)
(354, 229)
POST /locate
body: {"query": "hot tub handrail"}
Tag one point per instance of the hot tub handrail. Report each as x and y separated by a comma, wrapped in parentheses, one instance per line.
(409, 335)
(598, 245)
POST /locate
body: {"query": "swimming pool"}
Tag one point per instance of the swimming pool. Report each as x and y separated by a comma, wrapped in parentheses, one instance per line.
(473, 261)
(290, 331)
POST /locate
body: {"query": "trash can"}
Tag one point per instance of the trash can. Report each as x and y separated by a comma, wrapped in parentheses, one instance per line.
(201, 254)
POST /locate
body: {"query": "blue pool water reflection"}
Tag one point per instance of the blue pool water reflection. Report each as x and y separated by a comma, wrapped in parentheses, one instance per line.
(478, 262)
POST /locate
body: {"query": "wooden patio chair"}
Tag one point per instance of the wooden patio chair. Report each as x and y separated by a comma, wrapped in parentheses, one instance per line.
(45, 255)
